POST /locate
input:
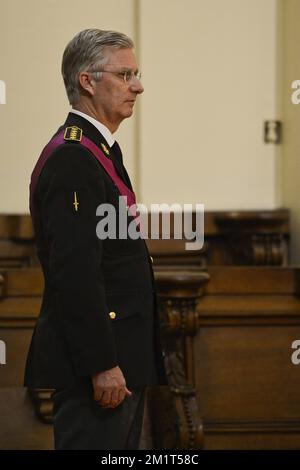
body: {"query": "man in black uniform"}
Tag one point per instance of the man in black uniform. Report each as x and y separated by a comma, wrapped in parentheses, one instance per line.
(97, 337)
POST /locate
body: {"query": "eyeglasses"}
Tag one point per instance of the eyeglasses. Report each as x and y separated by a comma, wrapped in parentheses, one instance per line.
(127, 75)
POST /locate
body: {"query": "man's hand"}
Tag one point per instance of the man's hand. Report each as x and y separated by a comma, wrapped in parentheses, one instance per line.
(110, 387)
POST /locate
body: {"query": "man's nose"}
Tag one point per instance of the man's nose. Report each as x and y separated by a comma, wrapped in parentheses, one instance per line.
(136, 86)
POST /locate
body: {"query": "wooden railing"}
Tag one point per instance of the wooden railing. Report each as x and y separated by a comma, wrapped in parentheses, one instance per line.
(236, 352)
(231, 238)
(227, 335)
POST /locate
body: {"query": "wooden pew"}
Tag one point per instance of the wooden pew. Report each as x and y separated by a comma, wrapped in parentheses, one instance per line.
(20, 300)
(16, 241)
(235, 349)
(24, 416)
(247, 385)
(228, 333)
(231, 238)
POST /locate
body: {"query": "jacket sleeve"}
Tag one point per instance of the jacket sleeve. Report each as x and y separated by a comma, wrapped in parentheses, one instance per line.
(70, 176)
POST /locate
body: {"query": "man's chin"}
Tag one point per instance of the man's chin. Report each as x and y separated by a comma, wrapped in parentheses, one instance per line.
(128, 113)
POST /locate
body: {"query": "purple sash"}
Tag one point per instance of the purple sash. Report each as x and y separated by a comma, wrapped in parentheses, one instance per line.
(102, 159)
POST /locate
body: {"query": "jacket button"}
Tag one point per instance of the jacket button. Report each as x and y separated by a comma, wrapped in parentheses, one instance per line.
(112, 315)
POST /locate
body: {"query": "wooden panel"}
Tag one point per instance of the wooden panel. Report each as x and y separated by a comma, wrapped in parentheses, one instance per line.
(15, 252)
(16, 241)
(246, 374)
(20, 429)
(17, 342)
(16, 226)
(257, 308)
(230, 220)
(20, 303)
(252, 280)
(247, 386)
(277, 438)
(23, 282)
(19, 309)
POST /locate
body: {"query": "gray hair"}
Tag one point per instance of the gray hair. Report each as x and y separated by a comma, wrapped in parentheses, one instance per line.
(86, 51)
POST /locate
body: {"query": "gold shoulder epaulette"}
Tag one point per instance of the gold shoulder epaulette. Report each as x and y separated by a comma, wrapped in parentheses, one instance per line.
(73, 133)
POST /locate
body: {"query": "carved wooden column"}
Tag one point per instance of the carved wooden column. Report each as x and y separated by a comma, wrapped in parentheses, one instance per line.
(177, 423)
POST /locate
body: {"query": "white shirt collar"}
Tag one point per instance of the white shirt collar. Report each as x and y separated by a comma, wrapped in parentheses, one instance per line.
(101, 127)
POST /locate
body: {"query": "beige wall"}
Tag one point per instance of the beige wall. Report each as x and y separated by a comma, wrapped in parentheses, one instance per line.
(291, 114)
(209, 69)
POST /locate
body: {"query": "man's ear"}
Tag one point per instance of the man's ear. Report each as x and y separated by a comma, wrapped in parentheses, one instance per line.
(87, 82)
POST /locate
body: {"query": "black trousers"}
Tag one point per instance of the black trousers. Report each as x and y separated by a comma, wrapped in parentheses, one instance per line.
(80, 423)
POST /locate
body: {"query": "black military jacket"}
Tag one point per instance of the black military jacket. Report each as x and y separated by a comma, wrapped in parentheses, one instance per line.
(99, 307)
